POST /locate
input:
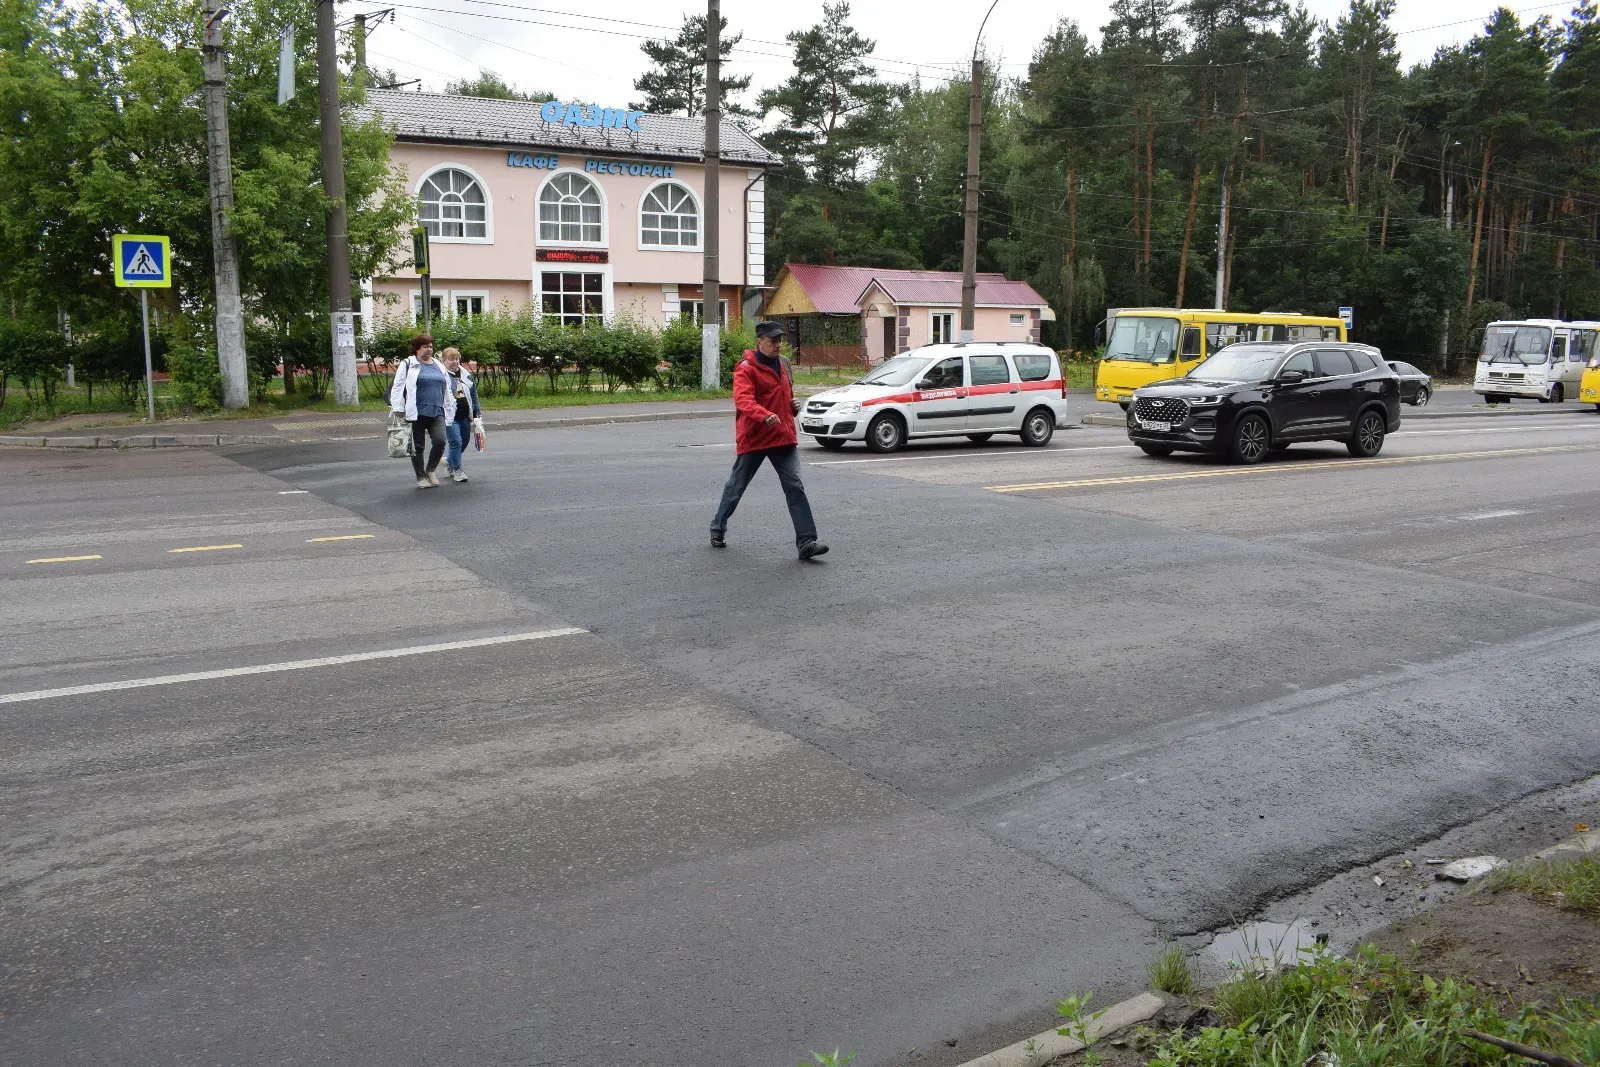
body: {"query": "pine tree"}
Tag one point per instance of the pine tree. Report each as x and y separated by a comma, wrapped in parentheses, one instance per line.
(677, 83)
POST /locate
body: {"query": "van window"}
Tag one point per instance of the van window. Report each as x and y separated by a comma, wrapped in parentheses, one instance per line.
(1558, 350)
(1191, 342)
(1033, 367)
(990, 370)
(1515, 344)
(945, 374)
(1222, 334)
(1332, 361)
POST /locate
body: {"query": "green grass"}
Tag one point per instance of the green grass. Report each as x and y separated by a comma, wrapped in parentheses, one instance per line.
(1570, 880)
(18, 409)
(1370, 1009)
(1170, 971)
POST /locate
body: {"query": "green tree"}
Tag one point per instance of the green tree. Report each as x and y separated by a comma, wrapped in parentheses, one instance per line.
(491, 85)
(677, 82)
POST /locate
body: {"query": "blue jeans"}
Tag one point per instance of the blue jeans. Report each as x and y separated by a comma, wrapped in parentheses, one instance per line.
(786, 461)
(459, 435)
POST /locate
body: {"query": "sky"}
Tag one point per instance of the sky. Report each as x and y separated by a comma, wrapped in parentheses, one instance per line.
(563, 47)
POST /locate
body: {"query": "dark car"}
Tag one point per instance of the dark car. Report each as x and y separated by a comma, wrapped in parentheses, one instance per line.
(1252, 399)
(1416, 387)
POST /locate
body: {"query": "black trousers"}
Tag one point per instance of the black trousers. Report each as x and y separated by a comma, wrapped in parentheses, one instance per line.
(784, 460)
(423, 430)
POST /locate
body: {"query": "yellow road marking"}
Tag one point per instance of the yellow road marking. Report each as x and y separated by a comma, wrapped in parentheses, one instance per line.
(1320, 465)
(62, 559)
(346, 537)
(204, 548)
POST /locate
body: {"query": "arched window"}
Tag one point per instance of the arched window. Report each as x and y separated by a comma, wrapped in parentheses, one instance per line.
(669, 217)
(453, 205)
(569, 210)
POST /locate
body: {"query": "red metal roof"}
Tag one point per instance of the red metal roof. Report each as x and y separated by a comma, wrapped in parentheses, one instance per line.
(835, 290)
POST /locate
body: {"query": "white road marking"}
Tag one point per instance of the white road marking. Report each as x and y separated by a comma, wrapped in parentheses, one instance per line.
(1493, 515)
(972, 455)
(292, 492)
(289, 665)
(62, 559)
(204, 548)
(1595, 425)
(345, 537)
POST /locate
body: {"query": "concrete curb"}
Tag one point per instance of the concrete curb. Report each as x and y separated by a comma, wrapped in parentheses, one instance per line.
(1589, 841)
(1049, 1045)
(224, 440)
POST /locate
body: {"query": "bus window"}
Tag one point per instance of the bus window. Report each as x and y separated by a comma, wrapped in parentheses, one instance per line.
(1528, 345)
(1558, 350)
(1220, 335)
(1191, 343)
(1143, 339)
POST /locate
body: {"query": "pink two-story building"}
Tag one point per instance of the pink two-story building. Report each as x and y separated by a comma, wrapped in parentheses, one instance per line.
(586, 213)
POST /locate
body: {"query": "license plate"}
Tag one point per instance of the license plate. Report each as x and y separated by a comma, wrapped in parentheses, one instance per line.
(1159, 427)
(809, 426)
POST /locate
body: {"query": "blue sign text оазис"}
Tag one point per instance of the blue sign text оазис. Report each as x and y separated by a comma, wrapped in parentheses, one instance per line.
(611, 118)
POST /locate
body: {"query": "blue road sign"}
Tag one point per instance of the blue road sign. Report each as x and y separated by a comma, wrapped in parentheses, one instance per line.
(142, 261)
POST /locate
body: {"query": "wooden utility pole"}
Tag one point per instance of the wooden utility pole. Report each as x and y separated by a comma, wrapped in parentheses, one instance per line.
(969, 247)
(711, 285)
(230, 311)
(342, 319)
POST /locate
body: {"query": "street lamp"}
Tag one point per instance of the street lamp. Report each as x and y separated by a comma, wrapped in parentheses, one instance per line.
(969, 248)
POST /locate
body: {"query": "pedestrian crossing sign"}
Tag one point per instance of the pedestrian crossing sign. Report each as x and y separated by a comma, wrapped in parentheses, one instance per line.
(141, 261)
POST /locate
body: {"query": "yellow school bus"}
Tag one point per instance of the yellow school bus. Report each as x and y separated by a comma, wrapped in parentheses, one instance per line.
(1145, 345)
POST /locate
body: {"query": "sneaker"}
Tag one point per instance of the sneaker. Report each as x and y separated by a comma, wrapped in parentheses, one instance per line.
(812, 549)
(718, 542)
(433, 479)
(458, 475)
(423, 483)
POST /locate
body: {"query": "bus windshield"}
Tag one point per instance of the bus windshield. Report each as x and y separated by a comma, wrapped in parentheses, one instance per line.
(1143, 339)
(1240, 363)
(1515, 344)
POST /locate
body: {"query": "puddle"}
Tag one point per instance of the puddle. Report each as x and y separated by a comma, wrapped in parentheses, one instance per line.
(1256, 944)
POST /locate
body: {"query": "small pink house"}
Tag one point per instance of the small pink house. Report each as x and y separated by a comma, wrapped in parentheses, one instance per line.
(904, 309)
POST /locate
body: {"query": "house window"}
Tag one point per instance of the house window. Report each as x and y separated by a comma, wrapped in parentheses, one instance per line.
(696, 310)
(668, 218)
(453, 205)
(468, 305)
(1019, 319)
(435, 306)
(572, 299)
(943, 331)
(569, 210)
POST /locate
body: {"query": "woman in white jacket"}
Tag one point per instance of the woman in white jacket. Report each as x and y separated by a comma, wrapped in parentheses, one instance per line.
(422, 393)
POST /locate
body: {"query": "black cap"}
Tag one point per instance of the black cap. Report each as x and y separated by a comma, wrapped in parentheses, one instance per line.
(769, 329)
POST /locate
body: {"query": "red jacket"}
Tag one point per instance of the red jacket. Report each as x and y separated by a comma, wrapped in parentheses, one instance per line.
(757, 393)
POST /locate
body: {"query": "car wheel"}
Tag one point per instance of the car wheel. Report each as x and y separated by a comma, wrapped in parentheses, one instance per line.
(886, 434)
(1367, 441)
(1251, 437)
(1423, 396)
(1557, 393)
(979, 438)
(832, 444)
(1038, 427)
(1156, 451)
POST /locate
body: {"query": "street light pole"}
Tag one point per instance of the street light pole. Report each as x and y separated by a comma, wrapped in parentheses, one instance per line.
(341, 316)
(219, 156)
(711, 286)
(1222, 237)
(969, 247)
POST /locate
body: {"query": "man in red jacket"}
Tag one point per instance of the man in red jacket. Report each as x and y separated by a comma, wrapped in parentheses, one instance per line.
(764, 411)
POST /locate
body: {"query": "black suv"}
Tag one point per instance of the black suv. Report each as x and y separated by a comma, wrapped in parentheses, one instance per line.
(1249, 400)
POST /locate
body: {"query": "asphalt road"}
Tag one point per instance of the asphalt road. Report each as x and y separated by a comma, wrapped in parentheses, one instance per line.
(1035, 705)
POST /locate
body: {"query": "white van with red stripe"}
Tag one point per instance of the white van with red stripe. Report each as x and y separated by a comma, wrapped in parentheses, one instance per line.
(973, 390)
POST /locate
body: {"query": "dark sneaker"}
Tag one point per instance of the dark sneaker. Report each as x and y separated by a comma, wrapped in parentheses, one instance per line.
(812, 549)
(718, 542)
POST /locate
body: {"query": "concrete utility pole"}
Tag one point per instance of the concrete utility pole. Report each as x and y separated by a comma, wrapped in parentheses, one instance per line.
(1449, 227)
(230, 311)
(343, 319)
(969, 247)
(710, 320)
(1222, 238)
(358, 40)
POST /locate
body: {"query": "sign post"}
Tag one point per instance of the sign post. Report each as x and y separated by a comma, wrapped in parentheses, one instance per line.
(143, 262)
(419, 256)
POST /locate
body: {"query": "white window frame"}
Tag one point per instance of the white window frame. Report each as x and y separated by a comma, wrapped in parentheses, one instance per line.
(414, 304)
(1018, 320)
(488, 205)
(933, 327)
(482, 294)
(608, 306)
(686, 304)
(699, 214)
(605, 213)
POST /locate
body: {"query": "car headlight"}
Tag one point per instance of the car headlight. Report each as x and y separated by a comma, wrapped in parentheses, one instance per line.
(849, 407)
(1205, 401)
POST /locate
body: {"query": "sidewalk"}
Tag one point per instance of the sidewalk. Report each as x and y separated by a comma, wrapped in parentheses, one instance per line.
(345, 426)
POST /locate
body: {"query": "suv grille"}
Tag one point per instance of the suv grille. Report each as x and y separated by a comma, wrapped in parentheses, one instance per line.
(817, 407)
(1162, 409)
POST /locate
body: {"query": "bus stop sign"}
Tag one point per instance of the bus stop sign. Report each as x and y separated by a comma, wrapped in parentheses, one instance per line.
(1349, 317)
(142, 261)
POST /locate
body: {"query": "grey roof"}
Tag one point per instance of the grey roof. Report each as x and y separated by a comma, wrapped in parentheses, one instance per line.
(515, 123)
